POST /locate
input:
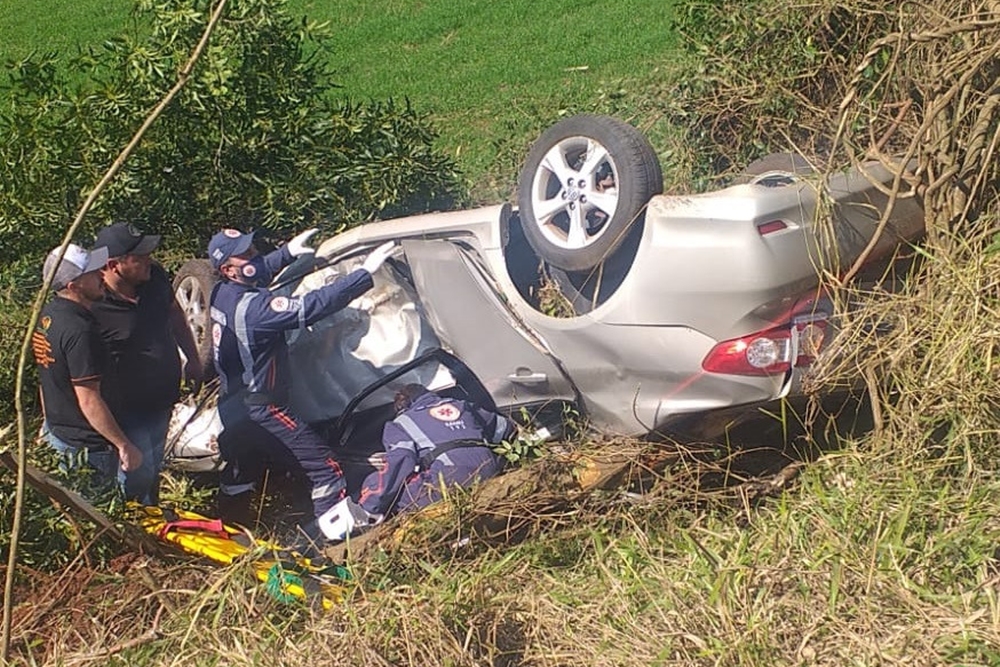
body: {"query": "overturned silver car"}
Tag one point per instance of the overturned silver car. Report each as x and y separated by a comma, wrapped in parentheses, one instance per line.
(639, 312)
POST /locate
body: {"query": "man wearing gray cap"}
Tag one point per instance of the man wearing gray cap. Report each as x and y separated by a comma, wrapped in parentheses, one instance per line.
(142, 326)
(72, 360)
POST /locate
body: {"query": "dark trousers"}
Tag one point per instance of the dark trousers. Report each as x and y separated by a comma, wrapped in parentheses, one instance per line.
(398, 487)
(468, 466)
(256, 436)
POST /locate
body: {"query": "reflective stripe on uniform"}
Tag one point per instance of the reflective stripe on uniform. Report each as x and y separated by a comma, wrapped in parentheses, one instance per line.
(420, 438)
(243, 340)
(325, 491)
(294, 334)
(217, 315)
(235, 489)
(415, 432)
(501, 430)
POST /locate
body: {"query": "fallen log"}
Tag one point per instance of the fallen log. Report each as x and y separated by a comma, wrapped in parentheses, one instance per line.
(46, 485)
(506, 508)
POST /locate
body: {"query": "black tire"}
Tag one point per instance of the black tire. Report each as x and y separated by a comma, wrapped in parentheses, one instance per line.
(775, 170)
(577, 219)
(193, 285)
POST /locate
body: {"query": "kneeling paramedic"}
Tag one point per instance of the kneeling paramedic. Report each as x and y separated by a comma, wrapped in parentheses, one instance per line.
(248, 339)
(433, 443)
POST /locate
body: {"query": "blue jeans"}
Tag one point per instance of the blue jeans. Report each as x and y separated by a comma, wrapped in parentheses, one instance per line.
(148, 432)
(106, 470)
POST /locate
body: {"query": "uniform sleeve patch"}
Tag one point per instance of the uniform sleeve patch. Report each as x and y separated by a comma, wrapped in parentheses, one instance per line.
(216, 335)
(282, 304)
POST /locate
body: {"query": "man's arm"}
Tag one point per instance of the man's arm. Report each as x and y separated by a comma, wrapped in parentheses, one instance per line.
(278, 259)
(381, 489)
(267, 312)
(96, 412)
(496, 428)
(193, 369)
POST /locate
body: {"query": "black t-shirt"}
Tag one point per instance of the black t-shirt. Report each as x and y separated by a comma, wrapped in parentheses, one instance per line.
(146, 364)
(68, 350)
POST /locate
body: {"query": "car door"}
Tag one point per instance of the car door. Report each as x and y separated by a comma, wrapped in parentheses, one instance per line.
(464, 307)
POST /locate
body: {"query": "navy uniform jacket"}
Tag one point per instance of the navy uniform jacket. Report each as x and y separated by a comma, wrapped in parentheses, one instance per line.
(249, 325)
(408, 439)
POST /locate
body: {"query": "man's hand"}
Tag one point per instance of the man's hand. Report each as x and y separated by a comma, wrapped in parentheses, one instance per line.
(378, 256)
(130, 457)
(297, 246)
(97, 414)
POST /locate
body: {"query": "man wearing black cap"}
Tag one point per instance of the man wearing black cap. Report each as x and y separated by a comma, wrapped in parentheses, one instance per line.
(73, 366)
(143, 326)
(249, 323)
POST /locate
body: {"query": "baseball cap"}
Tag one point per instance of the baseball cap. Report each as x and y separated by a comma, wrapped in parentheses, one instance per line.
(76, 262)
(122, 238)
(226, 244)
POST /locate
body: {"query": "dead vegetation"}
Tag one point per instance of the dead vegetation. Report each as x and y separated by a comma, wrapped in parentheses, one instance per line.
(138, 604)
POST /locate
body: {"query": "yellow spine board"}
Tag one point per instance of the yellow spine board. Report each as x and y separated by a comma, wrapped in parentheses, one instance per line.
(299, 579)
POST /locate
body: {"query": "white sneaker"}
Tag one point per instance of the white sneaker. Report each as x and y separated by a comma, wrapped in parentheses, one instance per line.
(344, 518)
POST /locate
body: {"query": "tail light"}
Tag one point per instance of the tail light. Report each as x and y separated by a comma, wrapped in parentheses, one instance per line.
(772, 351)
(771, 227)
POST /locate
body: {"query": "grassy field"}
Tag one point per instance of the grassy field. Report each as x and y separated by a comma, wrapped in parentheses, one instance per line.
(487, 71)
(481, 65)
(62, 27)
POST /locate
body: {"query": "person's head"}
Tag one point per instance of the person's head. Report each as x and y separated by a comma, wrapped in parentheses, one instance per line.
(78, 274)
(128, 253)
(404, 397)
(231, 253)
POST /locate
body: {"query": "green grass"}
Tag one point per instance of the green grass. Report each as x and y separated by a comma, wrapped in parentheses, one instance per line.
(861, 564)
(491, 74)
(481, 65)
(449, 56)
(54, 25)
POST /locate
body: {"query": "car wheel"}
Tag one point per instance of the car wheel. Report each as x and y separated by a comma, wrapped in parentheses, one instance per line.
(584, 188)
(775, 170)
(193, 285)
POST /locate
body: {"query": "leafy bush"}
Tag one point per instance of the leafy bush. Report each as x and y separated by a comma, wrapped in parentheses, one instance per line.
(767, 75)
(50, 536)
(253, 136)
(254, 139)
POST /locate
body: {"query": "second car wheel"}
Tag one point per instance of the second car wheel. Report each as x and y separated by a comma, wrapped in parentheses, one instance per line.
(193, 285)
(775, 170)
(583, 189)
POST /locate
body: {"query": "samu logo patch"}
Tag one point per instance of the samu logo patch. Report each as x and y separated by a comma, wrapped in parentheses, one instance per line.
(446, 412)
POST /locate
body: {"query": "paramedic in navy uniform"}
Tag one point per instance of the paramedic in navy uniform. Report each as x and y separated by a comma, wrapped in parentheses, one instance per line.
(248, 342)
(433, 442)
